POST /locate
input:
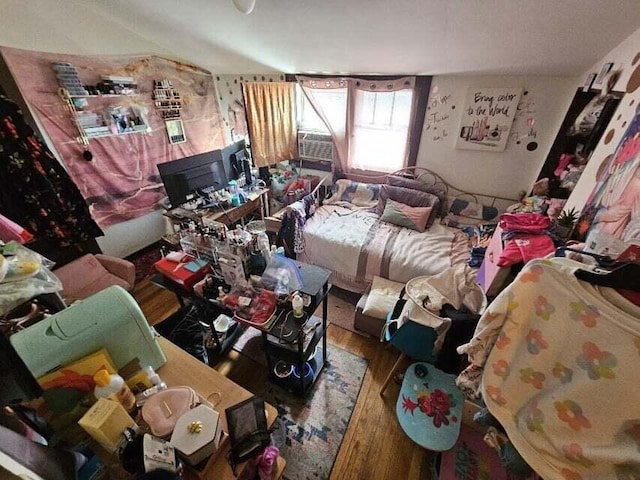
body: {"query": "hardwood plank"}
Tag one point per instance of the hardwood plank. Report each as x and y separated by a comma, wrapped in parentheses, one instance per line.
(374, 445)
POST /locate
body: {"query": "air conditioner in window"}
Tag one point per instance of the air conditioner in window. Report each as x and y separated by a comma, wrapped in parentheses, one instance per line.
(315, 146)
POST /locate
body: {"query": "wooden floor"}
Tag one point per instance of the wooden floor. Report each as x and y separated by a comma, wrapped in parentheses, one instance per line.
(374, 446)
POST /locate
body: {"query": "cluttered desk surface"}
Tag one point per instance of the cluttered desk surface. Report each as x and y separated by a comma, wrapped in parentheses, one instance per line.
(221, 214)
(181, 369)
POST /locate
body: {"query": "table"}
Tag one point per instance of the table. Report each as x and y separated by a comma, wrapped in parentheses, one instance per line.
(183, 369)
(257, 201)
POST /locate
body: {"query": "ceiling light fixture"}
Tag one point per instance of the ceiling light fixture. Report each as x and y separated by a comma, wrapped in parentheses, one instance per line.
(245, 6)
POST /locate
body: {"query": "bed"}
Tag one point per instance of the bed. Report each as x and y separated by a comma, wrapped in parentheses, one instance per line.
(348, 236)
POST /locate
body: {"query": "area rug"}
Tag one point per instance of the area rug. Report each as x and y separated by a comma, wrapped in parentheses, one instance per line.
(341, 309)
(144, 260)
(311, 428)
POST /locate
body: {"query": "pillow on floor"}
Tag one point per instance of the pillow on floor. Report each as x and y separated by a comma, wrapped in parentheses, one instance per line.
(403, 215)
(382, 297)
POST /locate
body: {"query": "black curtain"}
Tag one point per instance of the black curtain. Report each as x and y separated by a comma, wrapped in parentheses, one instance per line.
(37, 192)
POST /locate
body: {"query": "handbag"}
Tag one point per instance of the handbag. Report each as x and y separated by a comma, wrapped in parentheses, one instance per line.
(163, 409)
(248, 432)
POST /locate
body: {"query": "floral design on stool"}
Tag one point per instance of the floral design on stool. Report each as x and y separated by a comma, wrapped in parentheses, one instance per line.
(429, 407)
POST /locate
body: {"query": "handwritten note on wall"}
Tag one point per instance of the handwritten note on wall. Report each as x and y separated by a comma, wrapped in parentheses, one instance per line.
(438, 115)
(487, 118)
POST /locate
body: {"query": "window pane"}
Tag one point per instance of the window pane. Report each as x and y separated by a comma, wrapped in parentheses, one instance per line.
(333, 103)
(381, 129)
(381, 150)
(384, 107)
(402, 108)
(366, 112)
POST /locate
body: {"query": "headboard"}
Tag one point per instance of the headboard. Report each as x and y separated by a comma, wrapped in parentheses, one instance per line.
(430, 177)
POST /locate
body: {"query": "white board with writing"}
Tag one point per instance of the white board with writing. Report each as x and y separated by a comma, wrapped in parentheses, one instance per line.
(487, 117)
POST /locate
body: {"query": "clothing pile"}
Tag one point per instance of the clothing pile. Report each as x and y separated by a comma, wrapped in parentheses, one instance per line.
(290, 235)
(526, 236)
(554, 359)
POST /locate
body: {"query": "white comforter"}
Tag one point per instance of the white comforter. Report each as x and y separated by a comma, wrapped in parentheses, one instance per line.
(355, 245)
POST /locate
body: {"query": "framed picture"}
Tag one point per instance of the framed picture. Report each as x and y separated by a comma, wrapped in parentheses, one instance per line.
(487, 118)
(606, 68)
(588, 82)
(175, 131)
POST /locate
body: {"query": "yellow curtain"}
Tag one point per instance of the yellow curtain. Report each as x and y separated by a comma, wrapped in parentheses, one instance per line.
(271, 108)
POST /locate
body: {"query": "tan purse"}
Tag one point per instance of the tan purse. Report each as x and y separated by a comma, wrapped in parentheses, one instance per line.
(162, 410)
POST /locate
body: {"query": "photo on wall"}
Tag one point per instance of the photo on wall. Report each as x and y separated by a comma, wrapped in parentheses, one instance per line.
(487, 118)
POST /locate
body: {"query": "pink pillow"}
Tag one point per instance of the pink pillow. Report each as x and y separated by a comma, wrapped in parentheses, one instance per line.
(411, 198)
(403, 215)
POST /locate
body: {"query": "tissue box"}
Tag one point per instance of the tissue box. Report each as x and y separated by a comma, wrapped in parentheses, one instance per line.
(197, 434)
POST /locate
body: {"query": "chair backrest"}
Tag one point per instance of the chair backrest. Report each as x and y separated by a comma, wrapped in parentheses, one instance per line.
(416, 341)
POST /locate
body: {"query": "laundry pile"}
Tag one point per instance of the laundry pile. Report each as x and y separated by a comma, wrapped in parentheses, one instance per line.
(526, 236)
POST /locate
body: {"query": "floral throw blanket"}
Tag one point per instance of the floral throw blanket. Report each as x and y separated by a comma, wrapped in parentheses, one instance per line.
(560, 359)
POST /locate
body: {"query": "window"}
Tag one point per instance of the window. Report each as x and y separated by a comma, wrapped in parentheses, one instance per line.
(334, 105)
(380, 128)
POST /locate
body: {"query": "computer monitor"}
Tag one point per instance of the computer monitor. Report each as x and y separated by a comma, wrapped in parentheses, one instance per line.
(236, 161)
(183, 177)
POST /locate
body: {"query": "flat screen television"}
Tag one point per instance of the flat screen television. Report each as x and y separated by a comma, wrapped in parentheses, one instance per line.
(183, 177)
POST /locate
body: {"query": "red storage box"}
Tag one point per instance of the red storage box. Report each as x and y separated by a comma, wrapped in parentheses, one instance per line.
(182, 273)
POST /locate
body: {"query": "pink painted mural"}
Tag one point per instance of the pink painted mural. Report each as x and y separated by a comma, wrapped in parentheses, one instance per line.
(122, 181)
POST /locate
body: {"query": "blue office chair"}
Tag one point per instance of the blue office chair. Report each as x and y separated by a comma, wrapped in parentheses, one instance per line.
(414, 340)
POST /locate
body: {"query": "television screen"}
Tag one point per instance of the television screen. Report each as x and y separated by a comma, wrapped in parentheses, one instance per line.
(183, 177)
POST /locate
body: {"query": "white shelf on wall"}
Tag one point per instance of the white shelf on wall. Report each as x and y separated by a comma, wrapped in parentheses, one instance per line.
(106, 95)
(100, 135)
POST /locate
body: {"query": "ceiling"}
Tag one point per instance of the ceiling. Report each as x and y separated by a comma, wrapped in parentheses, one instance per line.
(503, 37)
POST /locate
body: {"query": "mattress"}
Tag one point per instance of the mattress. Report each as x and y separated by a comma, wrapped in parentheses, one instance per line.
(355, 246)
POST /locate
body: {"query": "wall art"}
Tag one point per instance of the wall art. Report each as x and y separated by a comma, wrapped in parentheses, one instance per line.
(487, 117)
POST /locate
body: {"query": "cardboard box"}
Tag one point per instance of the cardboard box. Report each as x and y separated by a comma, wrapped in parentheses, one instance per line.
(179, 274)
(105, 421)
(79, 374)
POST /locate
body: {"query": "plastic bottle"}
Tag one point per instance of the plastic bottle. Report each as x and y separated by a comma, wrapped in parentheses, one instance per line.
(298, 305)
(113, 387)
(153, 376)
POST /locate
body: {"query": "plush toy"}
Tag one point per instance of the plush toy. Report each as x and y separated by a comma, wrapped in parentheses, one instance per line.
(555, 207)
(532, 204)
(541, 187)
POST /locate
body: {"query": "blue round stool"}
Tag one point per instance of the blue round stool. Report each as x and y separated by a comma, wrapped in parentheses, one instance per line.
(429, 407)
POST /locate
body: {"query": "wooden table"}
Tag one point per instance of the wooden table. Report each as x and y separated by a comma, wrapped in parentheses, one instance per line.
(183, 369)
(258, 200)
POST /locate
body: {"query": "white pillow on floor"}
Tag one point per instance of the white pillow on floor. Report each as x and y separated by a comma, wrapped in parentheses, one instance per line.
(382, 298)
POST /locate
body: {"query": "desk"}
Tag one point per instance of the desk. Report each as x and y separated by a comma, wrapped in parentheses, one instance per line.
(257, 201)
(183, 369)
